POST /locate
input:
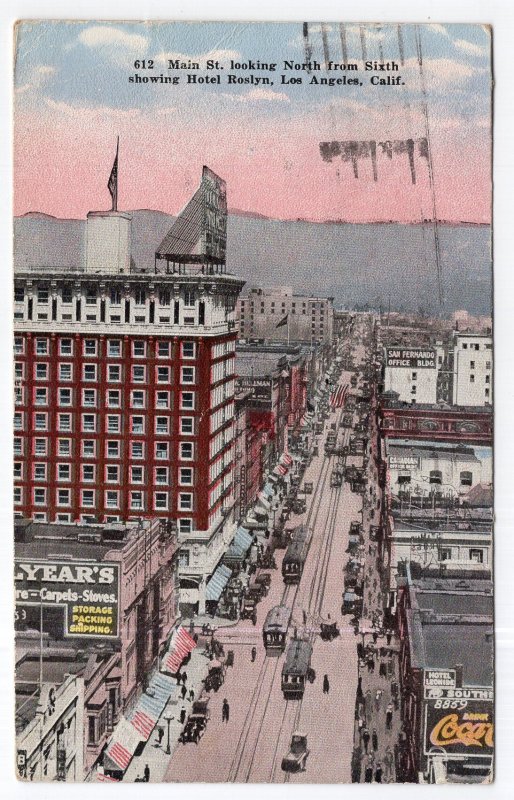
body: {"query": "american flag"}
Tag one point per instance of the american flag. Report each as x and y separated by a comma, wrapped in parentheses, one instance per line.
(338, 397)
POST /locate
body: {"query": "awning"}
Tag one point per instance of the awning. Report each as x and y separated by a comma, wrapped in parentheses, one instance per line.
(181, 644)
(240, 544)
(123, 744)
(217, 583)
(281, 470)
(263, 500)
(256, 524)
(285, 459)
(268, 490)
(151, 704)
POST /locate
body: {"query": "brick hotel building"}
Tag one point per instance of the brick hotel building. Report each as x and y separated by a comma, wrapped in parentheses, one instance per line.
(124, 385)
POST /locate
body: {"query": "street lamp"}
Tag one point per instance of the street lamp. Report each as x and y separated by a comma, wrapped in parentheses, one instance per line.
(168, 745)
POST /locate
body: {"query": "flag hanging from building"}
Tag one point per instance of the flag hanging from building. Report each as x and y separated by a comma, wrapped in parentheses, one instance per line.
(338, 397)
(282, 322)
(112, 184)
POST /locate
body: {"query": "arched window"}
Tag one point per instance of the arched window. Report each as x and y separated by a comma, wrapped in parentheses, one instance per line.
(466, 478)
(436, 477)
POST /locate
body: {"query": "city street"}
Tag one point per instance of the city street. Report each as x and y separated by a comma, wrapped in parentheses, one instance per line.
(250, 746)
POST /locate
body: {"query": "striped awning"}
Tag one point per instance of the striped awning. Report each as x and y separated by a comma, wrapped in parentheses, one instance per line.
(181, 644)
(281, 470)
(217, 583)
(123, 744)
(151, 704)
(286, 459)
(240, 544)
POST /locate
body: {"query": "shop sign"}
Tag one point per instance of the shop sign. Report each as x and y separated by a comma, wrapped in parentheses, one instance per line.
(443, 678)
(459, 726)
(417, 358)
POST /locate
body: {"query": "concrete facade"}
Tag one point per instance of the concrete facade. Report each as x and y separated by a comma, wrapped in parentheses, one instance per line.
(309, 318)
(472, 370)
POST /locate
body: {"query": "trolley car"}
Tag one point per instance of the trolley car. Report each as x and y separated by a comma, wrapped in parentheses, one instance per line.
(275, 630)
(297, 669)
(294, 559)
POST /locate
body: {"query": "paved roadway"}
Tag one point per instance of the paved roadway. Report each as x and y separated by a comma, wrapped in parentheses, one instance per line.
(250, 747)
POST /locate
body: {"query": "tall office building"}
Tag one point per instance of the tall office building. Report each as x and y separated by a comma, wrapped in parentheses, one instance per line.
(125, 383)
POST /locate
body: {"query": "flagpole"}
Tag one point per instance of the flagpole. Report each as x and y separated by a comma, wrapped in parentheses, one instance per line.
(288, 330)
(115, 198)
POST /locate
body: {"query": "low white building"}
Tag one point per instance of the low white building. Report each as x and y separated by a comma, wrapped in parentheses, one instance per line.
(413, 372)
(419, 469)
(472, 369)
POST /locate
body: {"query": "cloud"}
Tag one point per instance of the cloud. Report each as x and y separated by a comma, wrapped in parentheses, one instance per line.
(439, 29)
(117, 45)
(38, 77)
(471, 48)
(214, 55)
(87, 112)
(257, 95)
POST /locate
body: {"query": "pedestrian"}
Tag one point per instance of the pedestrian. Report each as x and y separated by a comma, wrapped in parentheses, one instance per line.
(225, 711)
(378, 699)
(389, 636)
(304, 615)
(365, 738)
(375, 636)
(184, 678)
(326, 685)
(359, 687)
(389, 716)
(191, 695)
(388, 762)
(182, 715)
(378, 773)
(374, 740)
(179, 678)
(383, 669)
(183, 691)
(160, 734)
(146, 773)
(254, 654)
(368, 774)
(371, 664)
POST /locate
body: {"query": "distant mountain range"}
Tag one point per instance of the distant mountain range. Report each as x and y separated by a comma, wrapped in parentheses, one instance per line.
(367, 264)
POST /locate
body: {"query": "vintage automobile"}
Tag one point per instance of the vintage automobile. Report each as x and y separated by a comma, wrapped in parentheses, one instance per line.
(336, 478)
(296, 759)
(299, 506)
(329, 630)
(256, 591)
(215, 677)
(196, 723)
(249, 609)
(308, 488)
(264, 578)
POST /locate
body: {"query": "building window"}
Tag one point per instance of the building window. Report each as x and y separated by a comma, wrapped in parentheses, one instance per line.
(113, 398)
(91, 295)
(67, 294)
(17, 470)
(477, 556)
(17, 495)
(487, 392)
(162, 400)
(65, 347)
(164, 297)
(87, 498)
(445, 554)
(19, 345)
(136, 475)
(113, 423)
(138, 374)
(89, 423)
(112, 499)
(114, 348)
(19, 294)
(64, 447)
(65, 372)
(163, 375)
(40, 447)
(136, 501)
(137, 399)
(88, 448)
(18, 420)
(472, 379)
(64, 422)
(187, 400)
(186, 476)
(42, 294)
(140, 296)
(137, 450)
(186, 451)
(114, 373)
(40, 472)
(88, 473)
(139, 349)
(404, 479)
(187, 375)
(113, 449)
(472, 365)
(112, 473)
(41, 372)
(466, 478)
(185, 525)
(162, 475)
(89, 372)
(18, 446)
(161, 501)
(185, 501)
(162, 425)
(436, 477)
(414, 376)
(90, 347)
(115, 296)
(488, 379)
(89, 398)
(39, 497)
(41, 397)
(137, 424)
(162, 450)
(488, 365)
(163, 349)
(41, 421)
(187, 425)
(188, 349)
(63, 497)
(189, 299)
(63, 472)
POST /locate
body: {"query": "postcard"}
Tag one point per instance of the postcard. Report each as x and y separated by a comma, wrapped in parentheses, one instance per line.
(253, 402)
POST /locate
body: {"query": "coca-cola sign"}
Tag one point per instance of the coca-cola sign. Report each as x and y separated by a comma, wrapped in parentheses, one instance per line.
(459, 726)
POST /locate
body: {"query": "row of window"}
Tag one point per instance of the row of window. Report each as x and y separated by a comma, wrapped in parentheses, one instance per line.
(90, 423)
(89, 473)
(115, 349)
(90, 373)
(436, 477)
(185, 524)
(111, 498)
(89, 398)
(90, 448)
(91, 295)
(476, 346)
